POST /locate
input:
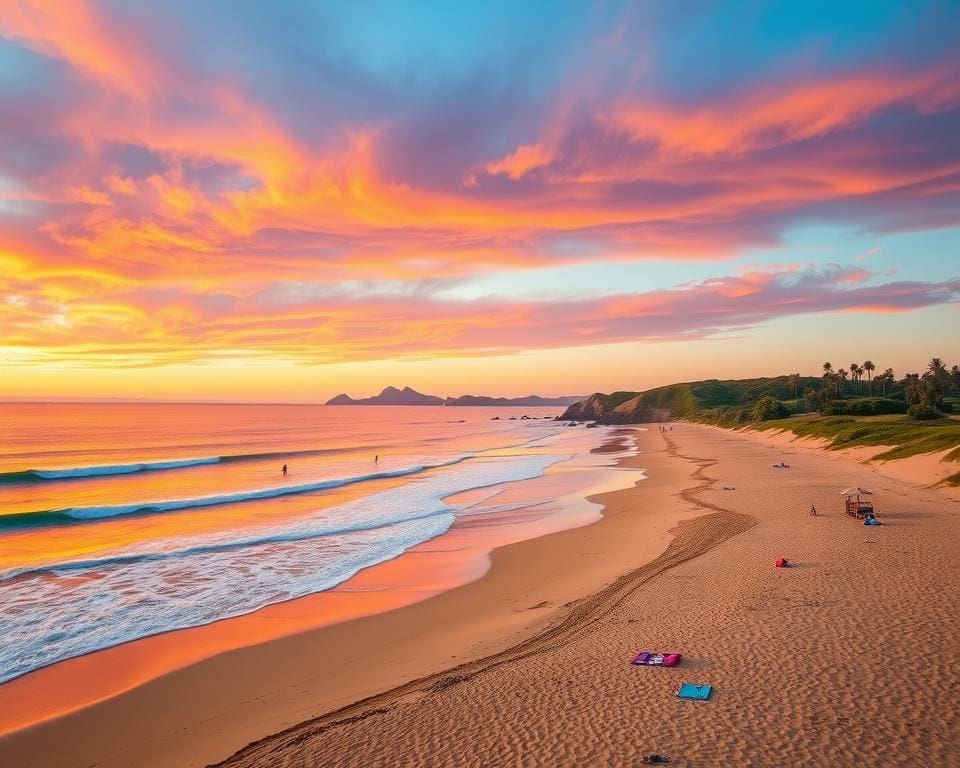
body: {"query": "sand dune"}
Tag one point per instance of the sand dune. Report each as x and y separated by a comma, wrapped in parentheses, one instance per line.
(848, 658)
(924, 470)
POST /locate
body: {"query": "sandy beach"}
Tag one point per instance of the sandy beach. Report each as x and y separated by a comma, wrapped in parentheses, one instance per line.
(846, 658)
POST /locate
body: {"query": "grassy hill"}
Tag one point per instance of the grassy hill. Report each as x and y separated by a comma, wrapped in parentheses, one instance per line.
(770, 403)
(728, 403)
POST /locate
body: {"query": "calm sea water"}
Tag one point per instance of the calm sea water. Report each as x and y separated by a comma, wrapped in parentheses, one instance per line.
(119, 521)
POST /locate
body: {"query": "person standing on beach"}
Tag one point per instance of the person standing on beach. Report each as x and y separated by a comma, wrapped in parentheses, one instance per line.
(376, 459)
(283, 471)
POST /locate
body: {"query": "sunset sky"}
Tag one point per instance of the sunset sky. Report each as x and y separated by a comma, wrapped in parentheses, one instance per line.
(283, 201)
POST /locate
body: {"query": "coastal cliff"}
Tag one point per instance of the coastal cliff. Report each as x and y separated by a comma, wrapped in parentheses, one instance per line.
(631, 407)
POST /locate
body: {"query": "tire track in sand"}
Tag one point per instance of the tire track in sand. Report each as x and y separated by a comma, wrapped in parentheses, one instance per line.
(692, 538)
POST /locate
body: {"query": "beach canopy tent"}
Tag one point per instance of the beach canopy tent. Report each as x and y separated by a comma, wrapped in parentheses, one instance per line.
(856, 491)
(855, 506)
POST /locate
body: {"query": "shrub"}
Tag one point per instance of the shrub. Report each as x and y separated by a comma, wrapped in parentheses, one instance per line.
(769, 408)
(864, 406)
(923, 412)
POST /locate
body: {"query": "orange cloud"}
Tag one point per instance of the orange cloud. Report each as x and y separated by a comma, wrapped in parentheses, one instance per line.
(523, 159)
(84, 194)
(233, 235)
(777, 115)
(126, 328)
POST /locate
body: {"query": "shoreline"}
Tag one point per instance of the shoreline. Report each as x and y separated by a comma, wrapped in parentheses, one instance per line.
(505, 622)
(456, 557)
(846, 658)
(489, 668)
(691, 538)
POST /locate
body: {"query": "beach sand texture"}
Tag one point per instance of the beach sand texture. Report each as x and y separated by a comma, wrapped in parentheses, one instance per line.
(848, 658)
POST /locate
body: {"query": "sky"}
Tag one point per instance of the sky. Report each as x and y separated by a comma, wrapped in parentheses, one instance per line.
(283, 201)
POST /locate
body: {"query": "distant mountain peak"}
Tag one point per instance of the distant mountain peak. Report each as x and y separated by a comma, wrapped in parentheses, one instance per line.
(409, 396)
(389, 396)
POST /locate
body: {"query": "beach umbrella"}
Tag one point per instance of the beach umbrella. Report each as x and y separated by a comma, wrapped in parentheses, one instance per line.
(858, 491)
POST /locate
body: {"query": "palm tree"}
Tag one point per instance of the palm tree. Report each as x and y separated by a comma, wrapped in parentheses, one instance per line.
(955, 376)
(827, 377)
(911, 387)
(869, 367)
(888, 378)
(853, 372)
(920, 390)
(911, 390)
(843, 377)
(794, 381)
(938, 374)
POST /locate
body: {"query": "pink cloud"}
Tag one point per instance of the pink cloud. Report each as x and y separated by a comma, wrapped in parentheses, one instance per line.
(327, 326)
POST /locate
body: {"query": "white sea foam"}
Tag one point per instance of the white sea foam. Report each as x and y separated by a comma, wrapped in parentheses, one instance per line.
(143, 507)
(49, 614)
(122, 469)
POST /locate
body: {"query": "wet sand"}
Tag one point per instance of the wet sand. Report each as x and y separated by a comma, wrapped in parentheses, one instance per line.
(847, 658)
(174, 700)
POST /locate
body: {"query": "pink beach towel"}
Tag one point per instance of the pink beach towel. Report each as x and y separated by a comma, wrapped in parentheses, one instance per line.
(650, 659)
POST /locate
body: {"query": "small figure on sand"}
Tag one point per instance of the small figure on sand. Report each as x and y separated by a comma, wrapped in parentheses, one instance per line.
(870, 519)
(813, 511)
(283, 470)
(376, 459)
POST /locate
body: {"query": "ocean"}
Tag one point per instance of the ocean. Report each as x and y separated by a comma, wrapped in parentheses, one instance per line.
(120, 521)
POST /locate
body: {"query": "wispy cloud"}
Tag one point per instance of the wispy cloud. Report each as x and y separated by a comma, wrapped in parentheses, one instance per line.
(161, 200)
(319, 324)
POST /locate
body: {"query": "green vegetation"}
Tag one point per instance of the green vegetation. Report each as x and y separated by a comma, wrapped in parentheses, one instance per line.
(923, 412)
(864, 406)
(729, 403)
(905, 436)
(769, 408)
(848, 407)
(714, 393)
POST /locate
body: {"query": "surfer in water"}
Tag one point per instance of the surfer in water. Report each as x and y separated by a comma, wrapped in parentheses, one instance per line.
(283, 471)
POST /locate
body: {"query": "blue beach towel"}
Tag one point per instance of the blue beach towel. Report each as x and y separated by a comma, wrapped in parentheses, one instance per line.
(691, 691)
